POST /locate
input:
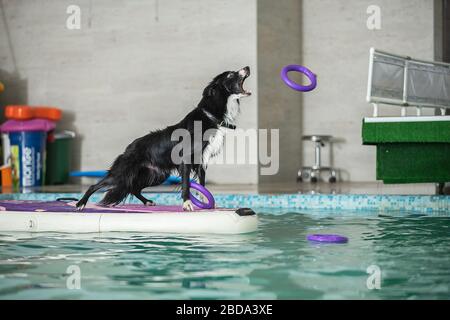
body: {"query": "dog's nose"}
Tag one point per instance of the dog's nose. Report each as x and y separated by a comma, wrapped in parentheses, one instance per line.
(245, 71)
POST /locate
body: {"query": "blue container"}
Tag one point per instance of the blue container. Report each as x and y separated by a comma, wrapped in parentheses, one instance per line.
(27, 151)
(24, 149)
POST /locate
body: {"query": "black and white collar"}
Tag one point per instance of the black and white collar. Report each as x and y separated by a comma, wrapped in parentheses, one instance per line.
(219, 123)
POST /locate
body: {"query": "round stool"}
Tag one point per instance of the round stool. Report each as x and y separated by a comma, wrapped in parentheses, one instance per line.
(313, 172)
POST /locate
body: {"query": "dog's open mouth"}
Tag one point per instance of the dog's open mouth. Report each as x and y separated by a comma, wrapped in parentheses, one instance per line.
(241, 86)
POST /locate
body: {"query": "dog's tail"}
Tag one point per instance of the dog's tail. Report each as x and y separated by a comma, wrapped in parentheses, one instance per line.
(114, 196)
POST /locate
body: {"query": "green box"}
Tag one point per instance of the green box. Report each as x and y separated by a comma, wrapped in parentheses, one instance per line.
(413, 162)
(410, 152)
(58, 158)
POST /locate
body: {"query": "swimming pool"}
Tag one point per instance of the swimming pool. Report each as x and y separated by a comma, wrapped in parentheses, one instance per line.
(410, 250)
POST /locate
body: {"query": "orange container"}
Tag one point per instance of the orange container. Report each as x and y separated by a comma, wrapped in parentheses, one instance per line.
(50, 113)
(6, 176)
(19, 112)
(23, 112)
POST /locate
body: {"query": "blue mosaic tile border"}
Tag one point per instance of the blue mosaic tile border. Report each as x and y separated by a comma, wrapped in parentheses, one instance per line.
(298, 202)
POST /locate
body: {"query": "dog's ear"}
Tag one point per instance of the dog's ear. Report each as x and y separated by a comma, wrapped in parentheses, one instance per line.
(210, 90)
(213, 86)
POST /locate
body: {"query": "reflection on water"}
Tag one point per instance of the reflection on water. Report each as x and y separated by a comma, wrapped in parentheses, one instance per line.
(274, 262)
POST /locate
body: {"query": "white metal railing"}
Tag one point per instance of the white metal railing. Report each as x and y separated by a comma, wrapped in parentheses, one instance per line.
(406, 82)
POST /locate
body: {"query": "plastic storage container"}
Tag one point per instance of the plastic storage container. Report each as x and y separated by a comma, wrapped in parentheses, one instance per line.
(59, 154)
(24, 145)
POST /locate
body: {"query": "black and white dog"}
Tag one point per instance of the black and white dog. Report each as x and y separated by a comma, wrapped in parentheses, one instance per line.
(147, 161)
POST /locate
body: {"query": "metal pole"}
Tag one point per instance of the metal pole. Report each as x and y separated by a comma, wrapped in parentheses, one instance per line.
(318, 146)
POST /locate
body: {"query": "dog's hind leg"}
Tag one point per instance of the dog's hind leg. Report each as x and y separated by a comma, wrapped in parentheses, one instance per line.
(92, 189)
(149, 176)
(144, 200)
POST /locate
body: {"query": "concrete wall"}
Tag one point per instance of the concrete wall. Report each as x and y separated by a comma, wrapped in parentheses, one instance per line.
(279, 107)
(134, 66)
(138, 65)
(336, 46)
(332, 39)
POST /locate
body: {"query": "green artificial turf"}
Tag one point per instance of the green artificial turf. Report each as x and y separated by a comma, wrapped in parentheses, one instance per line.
(386, 132)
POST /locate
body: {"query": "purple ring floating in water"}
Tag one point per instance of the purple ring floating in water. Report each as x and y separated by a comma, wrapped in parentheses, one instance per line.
(295, 67)
(329, 238)
(202, 205)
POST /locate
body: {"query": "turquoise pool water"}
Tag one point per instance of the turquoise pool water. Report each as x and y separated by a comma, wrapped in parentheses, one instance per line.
(410, 250)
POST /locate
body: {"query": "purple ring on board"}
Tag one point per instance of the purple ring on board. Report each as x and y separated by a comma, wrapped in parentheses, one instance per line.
(202, 205)
(308, 73)
(327, 238)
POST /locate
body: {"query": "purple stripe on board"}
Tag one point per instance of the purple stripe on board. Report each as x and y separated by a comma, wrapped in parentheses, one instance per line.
(60, 206)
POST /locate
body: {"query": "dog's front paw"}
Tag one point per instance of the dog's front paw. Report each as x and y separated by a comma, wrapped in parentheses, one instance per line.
(188, 206)
(150, 203)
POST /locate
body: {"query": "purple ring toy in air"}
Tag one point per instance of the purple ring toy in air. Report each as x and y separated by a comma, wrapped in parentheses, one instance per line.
(202, 205)
(327, 238)
(295, 67)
